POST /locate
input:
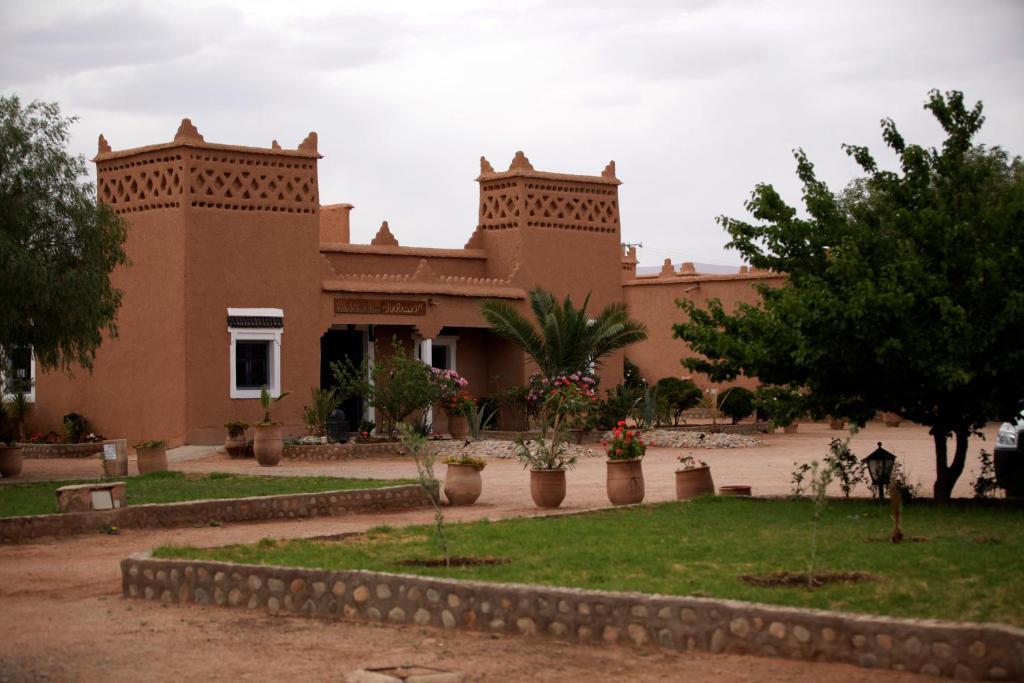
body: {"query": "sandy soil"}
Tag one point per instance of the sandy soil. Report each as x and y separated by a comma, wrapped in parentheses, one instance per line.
(64, 619)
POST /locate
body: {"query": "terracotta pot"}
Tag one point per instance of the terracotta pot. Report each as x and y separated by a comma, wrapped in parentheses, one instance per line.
(790, 429)
(458, 426)
(734, 490)
(152, 459)
(891, 419)
(547, 487)
(837, 424)
(625, 481)
(694, 482)
(236, 445)
(462, 484)
(268, 445)
(11, 461)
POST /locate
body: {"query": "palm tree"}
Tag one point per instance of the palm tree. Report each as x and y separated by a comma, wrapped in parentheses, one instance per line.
(565, 340)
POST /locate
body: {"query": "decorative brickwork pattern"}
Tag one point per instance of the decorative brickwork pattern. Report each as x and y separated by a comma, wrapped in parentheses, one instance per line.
(170, 515)
(963, 651)
(144, 183)
(251, 183)
(572, 207)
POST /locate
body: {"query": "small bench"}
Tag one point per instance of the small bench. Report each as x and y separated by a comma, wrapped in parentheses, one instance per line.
(89, 497)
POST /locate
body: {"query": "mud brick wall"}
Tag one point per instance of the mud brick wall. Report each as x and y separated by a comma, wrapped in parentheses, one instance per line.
(963, 651)
(168, 515)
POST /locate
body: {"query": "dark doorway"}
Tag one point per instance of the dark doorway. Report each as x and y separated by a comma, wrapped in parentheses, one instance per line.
(336, 346)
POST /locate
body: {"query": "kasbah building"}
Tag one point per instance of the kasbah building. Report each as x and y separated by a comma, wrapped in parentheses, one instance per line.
(240, 277)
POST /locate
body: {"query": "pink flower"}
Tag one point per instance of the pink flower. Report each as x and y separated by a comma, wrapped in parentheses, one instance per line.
(618, 451)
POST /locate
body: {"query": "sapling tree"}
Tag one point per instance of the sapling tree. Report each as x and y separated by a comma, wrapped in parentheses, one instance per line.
(821, 477)
(413, 440)
(844, 465)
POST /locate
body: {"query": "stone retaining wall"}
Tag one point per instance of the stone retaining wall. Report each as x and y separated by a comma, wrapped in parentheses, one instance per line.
(966, 651)
(167, 515)
(340, 451)
(39, 451)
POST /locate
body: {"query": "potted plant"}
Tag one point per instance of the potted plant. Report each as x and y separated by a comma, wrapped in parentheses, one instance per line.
(462, 482)
(693, 478)
(152, 456)
(836, 423)
(267, 444)
(236, 444)
(458, 407)
(891, 419)
(625, 453)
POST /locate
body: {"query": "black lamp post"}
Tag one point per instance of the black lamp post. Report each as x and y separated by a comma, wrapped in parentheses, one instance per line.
(880, 464)
(337, 426)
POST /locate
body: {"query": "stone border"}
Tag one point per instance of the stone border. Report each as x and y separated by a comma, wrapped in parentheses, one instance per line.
(43, 451)
(340, 451)
(257, 508)
(969, 651)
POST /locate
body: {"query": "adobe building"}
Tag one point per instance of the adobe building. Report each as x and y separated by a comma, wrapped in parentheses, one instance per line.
(240, 277)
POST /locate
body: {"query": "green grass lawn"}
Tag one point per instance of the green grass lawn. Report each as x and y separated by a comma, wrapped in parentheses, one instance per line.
(39, 498)
(970, 567)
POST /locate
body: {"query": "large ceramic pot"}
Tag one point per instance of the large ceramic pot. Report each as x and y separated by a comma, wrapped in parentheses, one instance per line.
(458, 426)
(268, 445)
(547, 487)
(625, 481)
(694, 482)
(462, 484)
(11, 461)
(836, 424)
(790, 429)
(236, 445)
(152, 459)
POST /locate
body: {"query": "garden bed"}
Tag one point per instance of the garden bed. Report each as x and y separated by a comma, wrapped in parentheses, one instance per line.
(41, 451)
(705, 546)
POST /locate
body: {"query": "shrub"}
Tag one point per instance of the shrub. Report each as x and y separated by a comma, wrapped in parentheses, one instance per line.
(471, 460)
(75, 427)
(323, 403)
(677, 395)
(737, 403)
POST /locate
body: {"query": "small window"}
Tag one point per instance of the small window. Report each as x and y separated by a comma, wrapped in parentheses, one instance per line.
(23, 373)
(255, 351)
(252, 364)
(440, 357)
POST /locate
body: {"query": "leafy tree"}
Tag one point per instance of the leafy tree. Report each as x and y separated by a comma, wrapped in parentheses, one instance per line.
(58, 245)
(737, 403)
(675, 396)
(400, 385)
(903, 292)
(565, 339)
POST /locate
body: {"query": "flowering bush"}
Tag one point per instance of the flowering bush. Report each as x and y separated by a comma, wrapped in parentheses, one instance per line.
(625, 444)
(459, 404)
(449, 385)
(49, 437)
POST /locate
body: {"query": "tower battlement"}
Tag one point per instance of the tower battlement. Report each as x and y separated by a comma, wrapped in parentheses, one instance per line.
(523, 197)
(190, 172)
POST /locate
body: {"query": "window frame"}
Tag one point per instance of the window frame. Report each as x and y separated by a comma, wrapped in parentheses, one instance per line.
(30, 395)
(269, 334)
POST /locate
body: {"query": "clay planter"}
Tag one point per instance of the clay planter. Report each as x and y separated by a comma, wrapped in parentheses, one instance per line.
(462, 484)
(152, 459)
(268, 445)
(236, 445)
(10, 461)
(458, 426)
(547, 487)
(734, 490)
(625, 481)
(891, 419)
(694, 482)
(837, 424)
(790, 429)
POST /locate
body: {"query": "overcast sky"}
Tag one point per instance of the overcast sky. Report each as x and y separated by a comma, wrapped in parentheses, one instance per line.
(696, 101)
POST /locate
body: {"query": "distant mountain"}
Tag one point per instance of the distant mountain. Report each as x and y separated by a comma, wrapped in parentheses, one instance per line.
(701, 268)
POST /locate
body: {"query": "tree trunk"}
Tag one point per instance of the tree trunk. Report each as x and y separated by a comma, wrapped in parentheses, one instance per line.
(947, 473)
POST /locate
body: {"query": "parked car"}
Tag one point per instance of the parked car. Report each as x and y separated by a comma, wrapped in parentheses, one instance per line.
(1009, 457)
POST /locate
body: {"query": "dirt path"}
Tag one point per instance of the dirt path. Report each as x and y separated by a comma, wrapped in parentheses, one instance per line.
(63, 617)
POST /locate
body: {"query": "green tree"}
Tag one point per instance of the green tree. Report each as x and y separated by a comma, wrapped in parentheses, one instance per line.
(58, 245)
(737, 403)
(903, 292)
(565, 339)
(675, 396)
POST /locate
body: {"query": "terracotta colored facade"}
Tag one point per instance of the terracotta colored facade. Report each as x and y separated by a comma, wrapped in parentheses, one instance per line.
(231, 250)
